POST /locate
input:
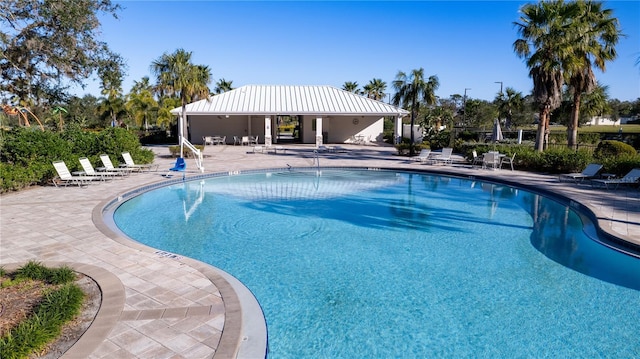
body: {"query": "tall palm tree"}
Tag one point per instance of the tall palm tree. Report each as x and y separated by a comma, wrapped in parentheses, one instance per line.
(178, 76)
(410, 90)
(350, 86)
(223, 86)
(594, 36)
(542, 28)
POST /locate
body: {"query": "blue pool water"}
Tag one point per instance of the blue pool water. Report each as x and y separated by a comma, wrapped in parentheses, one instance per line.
(381, 264)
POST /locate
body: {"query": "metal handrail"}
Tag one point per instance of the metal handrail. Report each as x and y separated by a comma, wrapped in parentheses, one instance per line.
(196, 152)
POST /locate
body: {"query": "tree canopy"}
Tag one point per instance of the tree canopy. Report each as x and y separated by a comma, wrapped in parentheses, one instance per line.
(47, 45)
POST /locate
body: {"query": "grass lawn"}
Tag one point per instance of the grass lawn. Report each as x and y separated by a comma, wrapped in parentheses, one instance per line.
(600, 128)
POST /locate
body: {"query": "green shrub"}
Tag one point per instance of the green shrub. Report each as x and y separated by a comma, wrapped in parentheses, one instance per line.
(57, 308)
(588, 137)
(36, 271)
(26, 154)
(558, 137)
(175, 151)
(620, 165)
(404, 146)
(611, 148)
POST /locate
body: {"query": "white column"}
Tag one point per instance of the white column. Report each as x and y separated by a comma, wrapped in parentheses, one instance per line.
(267, 131)
(398, 131)
(318, 131)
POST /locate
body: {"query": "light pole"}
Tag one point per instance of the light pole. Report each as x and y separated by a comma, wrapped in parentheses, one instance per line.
(501, 99)
(464, 107)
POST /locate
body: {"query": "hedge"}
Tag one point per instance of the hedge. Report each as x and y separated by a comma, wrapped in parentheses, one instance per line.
(26, 154)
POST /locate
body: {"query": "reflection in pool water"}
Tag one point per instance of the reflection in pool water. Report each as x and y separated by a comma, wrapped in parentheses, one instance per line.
(362, 264)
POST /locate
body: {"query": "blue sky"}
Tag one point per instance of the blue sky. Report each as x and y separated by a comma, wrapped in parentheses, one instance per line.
(467, 44)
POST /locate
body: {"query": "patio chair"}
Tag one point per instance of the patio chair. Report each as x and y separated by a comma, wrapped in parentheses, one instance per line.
(140, 167)
(490, 160)
(90, 171)
(591, 171)
(108, 166)
(423, 156)
(253, 140)
(65, 177)
(208, 140)
(508, 160)
(475, 159)
(630, 178)
(244, 140)
(445, 156)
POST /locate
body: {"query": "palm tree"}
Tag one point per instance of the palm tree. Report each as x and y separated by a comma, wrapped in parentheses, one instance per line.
(542, 28)
(350, 86)
(410, 90)
(112, 108)
(178, 76)
(594, 36)
(596, 102)
(375, 89)
(58, 110)
(164, 111)
(223, 86)
(139, 104)
(507, 102)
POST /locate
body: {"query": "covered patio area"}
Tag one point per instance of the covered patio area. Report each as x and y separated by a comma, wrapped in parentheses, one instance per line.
(322, 114)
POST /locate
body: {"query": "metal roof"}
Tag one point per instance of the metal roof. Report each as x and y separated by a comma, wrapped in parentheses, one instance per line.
(290, 100)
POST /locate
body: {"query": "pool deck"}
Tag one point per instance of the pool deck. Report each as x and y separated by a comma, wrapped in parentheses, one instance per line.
(158, 305)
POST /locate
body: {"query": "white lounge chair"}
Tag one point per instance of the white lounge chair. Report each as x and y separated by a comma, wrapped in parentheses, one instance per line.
(128, 160)
(589, 172)
(445, 156)
(90, 171)
(108, 166)
(65, 177)
(630, 178)
(423, 156)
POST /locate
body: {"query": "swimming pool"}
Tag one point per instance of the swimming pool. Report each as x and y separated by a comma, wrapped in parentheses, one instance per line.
(356, 263)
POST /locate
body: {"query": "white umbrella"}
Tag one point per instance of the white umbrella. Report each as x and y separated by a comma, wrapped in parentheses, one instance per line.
(496, 134)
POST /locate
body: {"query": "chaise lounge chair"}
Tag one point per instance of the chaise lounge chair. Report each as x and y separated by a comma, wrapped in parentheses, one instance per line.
(65, 177)
(108, 166)
(445, 156)
(90, 171)
(424, 155)
(591, 171)
(630, 178)
(128, 162)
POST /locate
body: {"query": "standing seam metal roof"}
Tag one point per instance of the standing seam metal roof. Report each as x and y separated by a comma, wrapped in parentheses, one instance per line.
(293, 100)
